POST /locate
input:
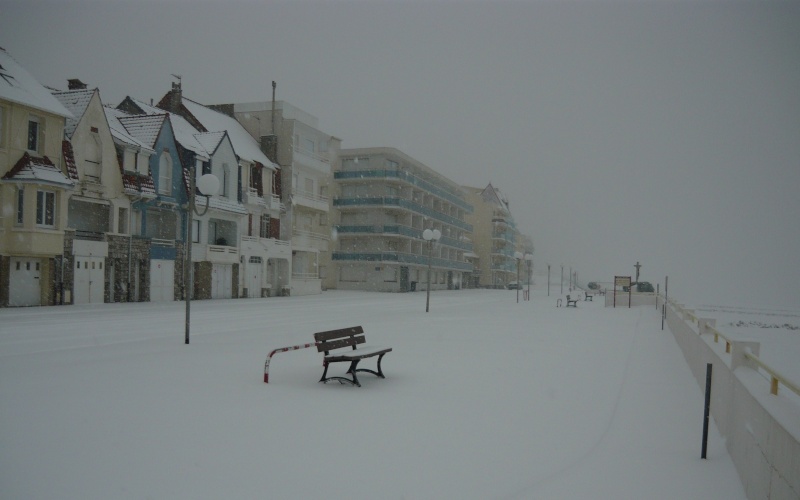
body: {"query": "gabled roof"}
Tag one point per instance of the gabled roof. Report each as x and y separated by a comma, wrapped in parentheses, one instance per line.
(120, 133)
(76, 102)
(38, 169)
(144, 127)
(17, 85)
(210, 140)
(493, 195)
(183, 131)
(243, 143)
(69, 160)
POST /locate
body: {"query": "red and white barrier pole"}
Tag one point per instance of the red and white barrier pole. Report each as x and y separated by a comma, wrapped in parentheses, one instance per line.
(282, 349)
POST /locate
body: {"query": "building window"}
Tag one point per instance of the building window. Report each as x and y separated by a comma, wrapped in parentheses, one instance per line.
(165, 174)
(20, 206)
(308, 145)
(34, 134)
(195, 231)
(212, 232)
(2, 128)
(45, 209)
(226, 173)
(94, 155)
(264, 229)
(122, 221)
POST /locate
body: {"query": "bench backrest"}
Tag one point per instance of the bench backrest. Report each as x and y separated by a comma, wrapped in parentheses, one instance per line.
(337, 339)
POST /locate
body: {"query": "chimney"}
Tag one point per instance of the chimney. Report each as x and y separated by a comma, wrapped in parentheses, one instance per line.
(75, 84)
(175, 98)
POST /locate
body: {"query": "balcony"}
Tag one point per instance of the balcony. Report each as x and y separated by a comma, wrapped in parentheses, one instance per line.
(310, 239)
(311, 200)
(251, 197)
(308, 158)
(392, 201)
(397, 229)
(217, 254)
(403, 258)
(443, 192)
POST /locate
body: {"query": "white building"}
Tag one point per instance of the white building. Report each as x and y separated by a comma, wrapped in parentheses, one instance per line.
(384, 201)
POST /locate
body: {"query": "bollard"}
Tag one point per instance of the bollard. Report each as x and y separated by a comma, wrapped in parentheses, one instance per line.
(707, 410)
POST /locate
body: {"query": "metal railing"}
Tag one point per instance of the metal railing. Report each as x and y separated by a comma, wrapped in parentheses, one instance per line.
(775, 377)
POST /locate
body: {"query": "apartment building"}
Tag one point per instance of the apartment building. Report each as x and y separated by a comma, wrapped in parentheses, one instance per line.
(496, 238)
(384, 201)
(292, 138)
(34, 189)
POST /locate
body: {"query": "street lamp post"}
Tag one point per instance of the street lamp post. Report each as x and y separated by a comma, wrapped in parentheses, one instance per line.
(562, 279)
(548, 280)
(208, 185)
(518, 256)
(529, 262)
(431, 236)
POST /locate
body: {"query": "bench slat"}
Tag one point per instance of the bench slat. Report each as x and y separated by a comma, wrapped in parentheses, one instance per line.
(357, 354)
(335, 334)
(338, 344)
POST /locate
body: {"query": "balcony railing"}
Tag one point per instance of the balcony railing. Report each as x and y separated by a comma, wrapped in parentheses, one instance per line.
(389, 201)
(402, 231)
(312, 200)
(404, 258)
(441, 192)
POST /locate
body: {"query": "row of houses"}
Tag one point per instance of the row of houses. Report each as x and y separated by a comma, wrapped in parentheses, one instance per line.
(95, 204)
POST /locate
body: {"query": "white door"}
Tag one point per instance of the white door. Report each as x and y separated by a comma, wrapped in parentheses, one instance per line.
(162, 280)
(221, 279)
(89, 280)
(253, 278)
(25, 287)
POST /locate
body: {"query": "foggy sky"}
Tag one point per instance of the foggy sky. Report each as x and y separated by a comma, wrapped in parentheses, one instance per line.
(664, 132)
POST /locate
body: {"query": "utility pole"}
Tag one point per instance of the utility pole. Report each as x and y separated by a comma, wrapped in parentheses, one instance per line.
(637, 266)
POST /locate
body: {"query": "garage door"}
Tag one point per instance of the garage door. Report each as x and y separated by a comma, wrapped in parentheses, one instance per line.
(162, 280)
(221, 279)
(253, 281)
(89, 280)
(25, 283)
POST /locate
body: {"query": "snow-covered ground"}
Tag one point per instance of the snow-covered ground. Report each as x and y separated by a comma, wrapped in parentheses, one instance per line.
(484, 398)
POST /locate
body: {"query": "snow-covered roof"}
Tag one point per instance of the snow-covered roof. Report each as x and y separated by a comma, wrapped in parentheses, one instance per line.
(144, 127)
(38, 169)
(17, 85)
(76, 102)
(209, 140)
(183, 131)
(120, 133)
(243, 143)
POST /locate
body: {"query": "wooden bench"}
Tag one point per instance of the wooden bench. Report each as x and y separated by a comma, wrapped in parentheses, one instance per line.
(333, 340)
(574, 302)
(588, 296)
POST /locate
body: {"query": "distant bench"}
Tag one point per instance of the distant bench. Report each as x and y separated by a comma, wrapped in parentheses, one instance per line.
(333, 340)
(573, 302)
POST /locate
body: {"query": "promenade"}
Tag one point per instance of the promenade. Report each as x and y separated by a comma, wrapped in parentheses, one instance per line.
(484, 398)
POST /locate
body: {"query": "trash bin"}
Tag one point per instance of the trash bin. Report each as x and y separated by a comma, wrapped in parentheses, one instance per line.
(413, 286)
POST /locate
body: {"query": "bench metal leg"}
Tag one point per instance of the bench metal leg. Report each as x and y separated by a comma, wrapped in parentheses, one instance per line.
(342, 380)
(379, 373)
(352, 372)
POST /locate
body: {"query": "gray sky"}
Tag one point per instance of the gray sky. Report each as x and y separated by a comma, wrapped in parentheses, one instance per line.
(665, 132)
